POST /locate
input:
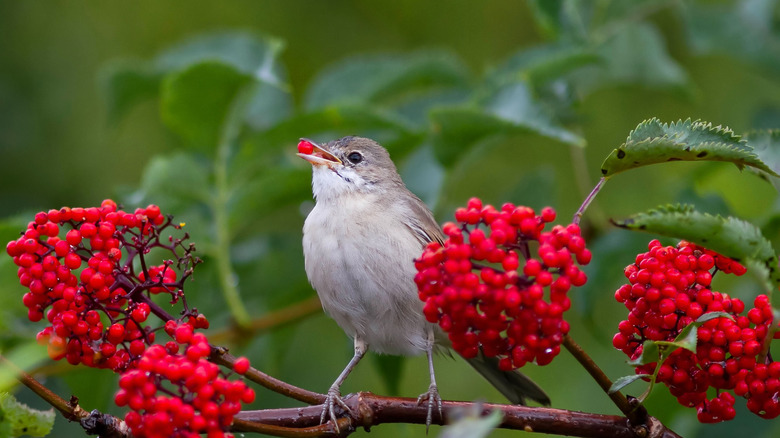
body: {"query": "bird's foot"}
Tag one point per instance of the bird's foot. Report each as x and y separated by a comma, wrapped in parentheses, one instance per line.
(333, 399)
(433, 398)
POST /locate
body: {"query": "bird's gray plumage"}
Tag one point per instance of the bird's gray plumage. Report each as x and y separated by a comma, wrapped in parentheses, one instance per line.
(360, 241)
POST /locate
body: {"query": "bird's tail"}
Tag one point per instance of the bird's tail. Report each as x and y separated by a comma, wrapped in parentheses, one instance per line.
(515, 386)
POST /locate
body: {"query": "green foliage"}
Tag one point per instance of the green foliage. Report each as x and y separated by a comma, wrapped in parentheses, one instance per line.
(658, 351)
(17, 419)
(653, 142)
(523, 123)
(729, 236)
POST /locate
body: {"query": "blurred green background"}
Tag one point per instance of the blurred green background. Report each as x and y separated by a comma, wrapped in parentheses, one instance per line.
(565, 74)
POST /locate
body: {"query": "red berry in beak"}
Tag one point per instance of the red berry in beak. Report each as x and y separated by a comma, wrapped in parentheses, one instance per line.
(304, 147)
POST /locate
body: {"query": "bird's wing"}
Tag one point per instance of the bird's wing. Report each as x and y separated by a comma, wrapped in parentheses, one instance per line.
(422, 223)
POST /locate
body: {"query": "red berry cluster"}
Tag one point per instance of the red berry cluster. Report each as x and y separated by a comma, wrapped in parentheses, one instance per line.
(502, 289)
(670, 288)
(173, 393)
(81, 268)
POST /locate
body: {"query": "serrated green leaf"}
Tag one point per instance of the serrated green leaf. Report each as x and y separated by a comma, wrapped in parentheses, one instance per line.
(650, 354)
(624, 381)
(512, 109)
(390, 369)
(474, 425)
(385, 79)
(195, 102)
(653, 142)
(729, 236)
(766, 145)
(17, 419)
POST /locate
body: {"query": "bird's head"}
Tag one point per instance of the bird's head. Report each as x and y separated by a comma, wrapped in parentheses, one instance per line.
(349, 165)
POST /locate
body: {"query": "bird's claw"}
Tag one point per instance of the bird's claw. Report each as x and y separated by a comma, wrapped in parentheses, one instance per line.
(332, 399)
(433, 398)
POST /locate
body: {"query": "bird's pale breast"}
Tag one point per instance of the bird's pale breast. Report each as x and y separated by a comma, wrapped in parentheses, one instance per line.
(359, 258)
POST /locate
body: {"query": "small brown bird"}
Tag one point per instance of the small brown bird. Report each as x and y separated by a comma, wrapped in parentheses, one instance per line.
(359, 244)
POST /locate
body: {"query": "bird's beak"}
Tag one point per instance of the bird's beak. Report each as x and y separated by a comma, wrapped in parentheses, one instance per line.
(319, 156)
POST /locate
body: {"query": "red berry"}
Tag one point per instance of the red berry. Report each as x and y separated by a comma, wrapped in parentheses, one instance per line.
(305, 147)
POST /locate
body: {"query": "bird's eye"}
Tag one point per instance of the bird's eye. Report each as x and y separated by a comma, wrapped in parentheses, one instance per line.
(355, 157)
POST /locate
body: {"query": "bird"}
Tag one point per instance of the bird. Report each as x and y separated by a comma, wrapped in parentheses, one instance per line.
(359, 244)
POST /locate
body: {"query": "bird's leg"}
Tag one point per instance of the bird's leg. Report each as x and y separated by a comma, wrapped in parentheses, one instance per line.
(334, 396)
(432, 395)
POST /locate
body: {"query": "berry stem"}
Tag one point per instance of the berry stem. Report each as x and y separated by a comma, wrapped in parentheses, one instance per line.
(635, 414)
(587, 201)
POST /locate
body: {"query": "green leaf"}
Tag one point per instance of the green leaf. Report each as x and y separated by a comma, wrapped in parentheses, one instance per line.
(18, 419)
(473, 425)
(710, 316)
(544, 63)
(125, 84)
(729, 236)
(689, 335)
(687, 339)
(390, 369)
(195, 101)
(385, 79)
(634, 55)
(511, 110)
(175, 181)
(766, 145)
(650, 354)
(624, 381)
(268, 192)
(743, 29)
(250, 54)
(653, 142)
(548, 14)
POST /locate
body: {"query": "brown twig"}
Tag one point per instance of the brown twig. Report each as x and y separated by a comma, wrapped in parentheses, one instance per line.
(635, 413)
(70, 409)
(371, 410)
(220, 357)
(93, 422)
